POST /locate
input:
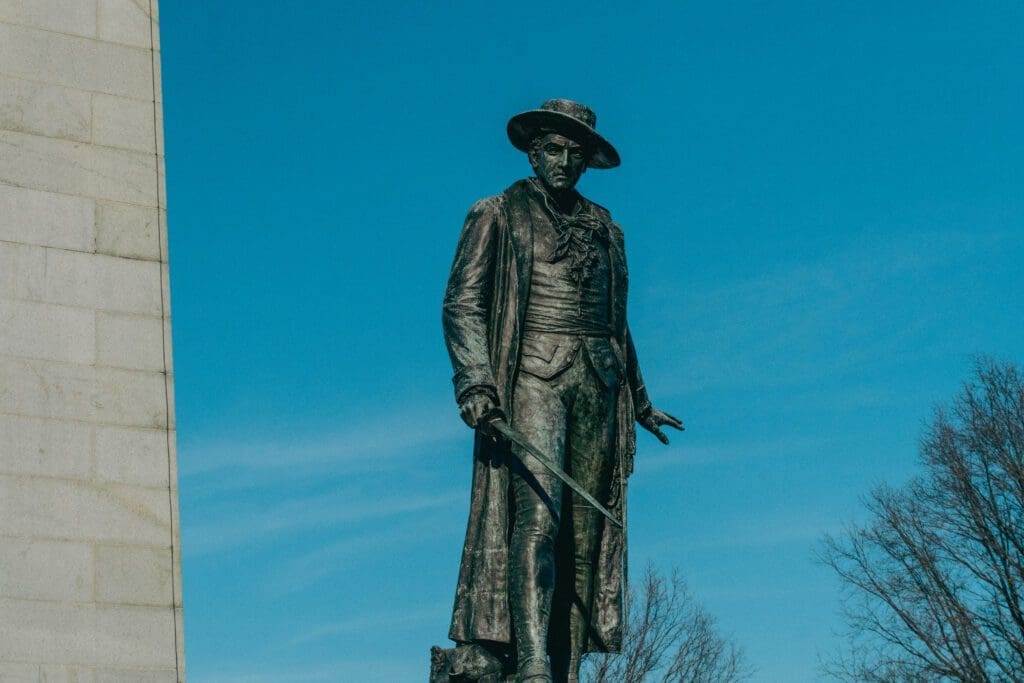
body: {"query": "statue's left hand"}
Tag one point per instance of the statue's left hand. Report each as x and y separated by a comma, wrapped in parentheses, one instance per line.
(653, 419)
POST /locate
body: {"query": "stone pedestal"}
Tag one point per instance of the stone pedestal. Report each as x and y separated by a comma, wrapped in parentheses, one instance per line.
(90, 587)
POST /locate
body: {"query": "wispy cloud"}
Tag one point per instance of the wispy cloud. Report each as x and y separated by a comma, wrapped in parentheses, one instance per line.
(358, 447)
(248, 522)
(255, 490)
(378, 622)
(748, 532)
(337, 557)
(800, 322)
(377, 670)
(727, 451)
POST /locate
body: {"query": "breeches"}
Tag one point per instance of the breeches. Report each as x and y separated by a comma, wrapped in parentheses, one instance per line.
(571, 418)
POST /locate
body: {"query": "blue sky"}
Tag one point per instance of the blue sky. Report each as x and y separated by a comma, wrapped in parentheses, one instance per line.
(824, 221)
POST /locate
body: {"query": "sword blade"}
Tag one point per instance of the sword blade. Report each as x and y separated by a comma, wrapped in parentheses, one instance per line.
(499, 425)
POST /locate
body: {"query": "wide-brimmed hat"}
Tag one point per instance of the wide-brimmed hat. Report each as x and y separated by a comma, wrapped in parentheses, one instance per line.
(568, 118)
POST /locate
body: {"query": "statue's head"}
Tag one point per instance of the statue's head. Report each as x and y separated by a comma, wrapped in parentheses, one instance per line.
(557, 160)
(561, 142)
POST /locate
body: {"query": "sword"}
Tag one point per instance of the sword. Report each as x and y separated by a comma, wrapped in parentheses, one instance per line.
(498, 424)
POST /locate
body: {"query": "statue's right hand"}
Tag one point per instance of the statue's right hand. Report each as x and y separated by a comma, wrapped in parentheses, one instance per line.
(477, 405)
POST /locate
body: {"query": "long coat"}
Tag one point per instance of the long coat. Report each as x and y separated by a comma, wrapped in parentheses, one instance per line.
(483, 312)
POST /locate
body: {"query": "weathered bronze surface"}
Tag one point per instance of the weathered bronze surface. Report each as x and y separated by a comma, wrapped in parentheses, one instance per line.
(535, 323)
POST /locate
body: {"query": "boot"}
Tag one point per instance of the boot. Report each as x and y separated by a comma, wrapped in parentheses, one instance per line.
(574, 670)
(530, 592)
(473, 662)
(534, 670)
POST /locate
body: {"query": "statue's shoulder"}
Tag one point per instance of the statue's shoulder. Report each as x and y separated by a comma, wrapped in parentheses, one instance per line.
(487, 204)
(486, 210)
(495, 205)
(596, 209)
(517, 191)
(604, 215)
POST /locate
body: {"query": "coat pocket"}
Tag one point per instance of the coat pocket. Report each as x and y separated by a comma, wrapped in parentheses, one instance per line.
(545, 357)
(540, 348)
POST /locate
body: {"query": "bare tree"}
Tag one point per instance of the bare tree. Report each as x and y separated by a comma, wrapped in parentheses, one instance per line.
(933, 582)
(668, 637)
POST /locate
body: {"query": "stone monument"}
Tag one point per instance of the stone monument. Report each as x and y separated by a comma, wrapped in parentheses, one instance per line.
(90, 586)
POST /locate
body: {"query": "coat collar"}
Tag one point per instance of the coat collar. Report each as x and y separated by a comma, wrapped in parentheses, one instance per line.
(520, 198)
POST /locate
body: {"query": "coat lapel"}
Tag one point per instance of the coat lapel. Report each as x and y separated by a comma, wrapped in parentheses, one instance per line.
(520, 226)
(620, 279)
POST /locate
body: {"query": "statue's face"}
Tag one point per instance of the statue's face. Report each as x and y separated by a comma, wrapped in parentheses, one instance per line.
(558, 161)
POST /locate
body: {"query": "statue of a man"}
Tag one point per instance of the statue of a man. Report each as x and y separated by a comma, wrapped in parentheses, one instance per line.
(535, 324)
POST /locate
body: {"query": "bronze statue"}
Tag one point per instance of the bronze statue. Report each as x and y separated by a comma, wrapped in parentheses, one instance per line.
(535, 324)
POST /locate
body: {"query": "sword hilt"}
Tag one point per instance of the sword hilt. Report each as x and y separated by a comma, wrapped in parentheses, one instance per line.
(487, 421)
